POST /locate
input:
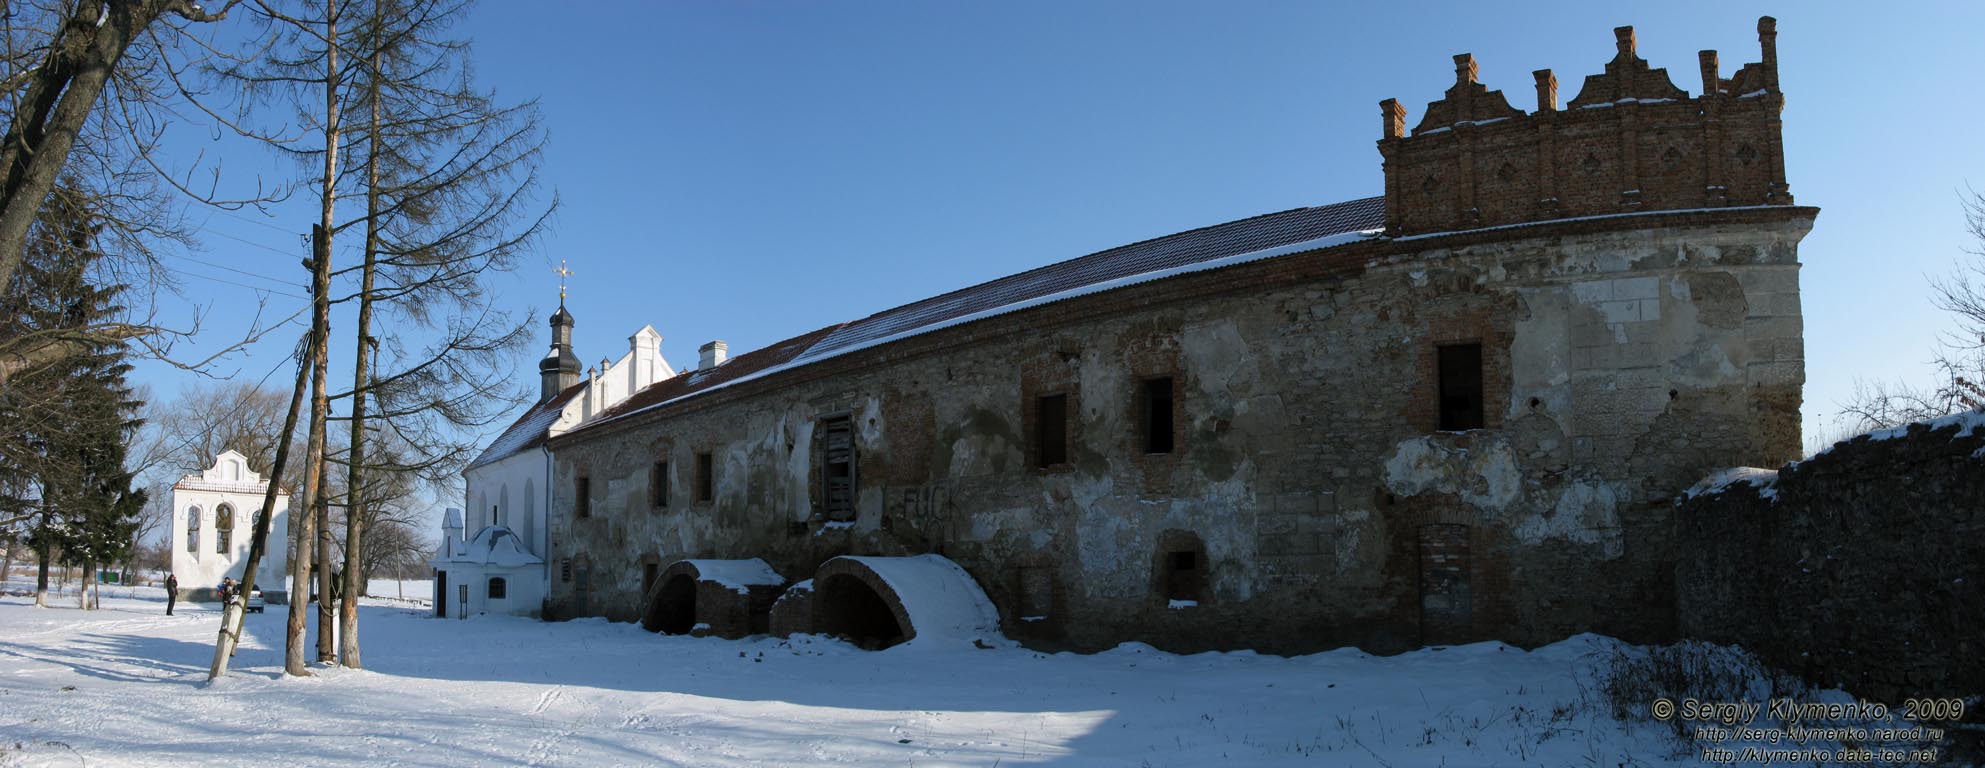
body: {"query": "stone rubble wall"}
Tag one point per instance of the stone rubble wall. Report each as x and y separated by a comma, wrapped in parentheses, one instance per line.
(1862, 567)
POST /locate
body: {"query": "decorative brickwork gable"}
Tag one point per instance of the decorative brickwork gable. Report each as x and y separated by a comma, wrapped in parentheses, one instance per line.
(1629, 141)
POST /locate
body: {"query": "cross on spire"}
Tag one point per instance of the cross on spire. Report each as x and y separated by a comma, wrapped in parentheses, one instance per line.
(562, 273)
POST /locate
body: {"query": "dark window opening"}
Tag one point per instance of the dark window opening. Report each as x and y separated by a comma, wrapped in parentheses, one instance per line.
(565, 570)
(1156, 416)
(1460, 387)
(498, 590)
(223, 529)
(838, 467)
(1051, 431)
(658, 485)
(1037, 593)
(582, 490)
(673, 611)
(848, 608)
(705, 485)
(1182, 568)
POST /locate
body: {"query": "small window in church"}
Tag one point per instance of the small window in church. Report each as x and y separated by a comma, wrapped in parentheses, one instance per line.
(223, 528)
(565, 570)
(1050, 431)
(705, 480)
(582, 493)
(837, 436)
(658, 485)
(498, 590)
(193, 530)
(1155, 415)
(1460, 386)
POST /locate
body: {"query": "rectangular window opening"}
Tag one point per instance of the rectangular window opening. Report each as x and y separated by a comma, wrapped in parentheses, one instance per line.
(1051, 431)
(1184, 579)
(658, 485)
(1156, 419)
(582, 491)
(705, 480)
(838, 467)
(1460, 376)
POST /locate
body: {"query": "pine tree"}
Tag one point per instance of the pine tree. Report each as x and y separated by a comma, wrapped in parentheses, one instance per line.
(64, 425)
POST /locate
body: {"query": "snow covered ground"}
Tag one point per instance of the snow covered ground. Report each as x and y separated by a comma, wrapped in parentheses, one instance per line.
(126, 686)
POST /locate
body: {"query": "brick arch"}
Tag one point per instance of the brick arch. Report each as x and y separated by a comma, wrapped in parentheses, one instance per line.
(670, 605)
(851, 600)
(941, 602)
(686, 600)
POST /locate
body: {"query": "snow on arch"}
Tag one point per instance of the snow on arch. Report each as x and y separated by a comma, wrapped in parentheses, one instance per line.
(726, 598)
(935, 602)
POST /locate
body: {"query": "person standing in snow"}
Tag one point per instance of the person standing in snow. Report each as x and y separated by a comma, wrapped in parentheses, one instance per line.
(171, 592)
(227, 590)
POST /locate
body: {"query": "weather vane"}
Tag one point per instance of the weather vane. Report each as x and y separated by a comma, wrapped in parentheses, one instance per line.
(562, 273)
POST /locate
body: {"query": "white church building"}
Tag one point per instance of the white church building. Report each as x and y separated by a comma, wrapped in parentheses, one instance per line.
(493, 554)
(214, 519)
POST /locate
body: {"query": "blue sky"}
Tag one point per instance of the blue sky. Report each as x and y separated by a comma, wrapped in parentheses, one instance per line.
(749, 171)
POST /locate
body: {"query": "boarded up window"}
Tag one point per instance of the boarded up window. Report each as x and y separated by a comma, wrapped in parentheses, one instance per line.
(565, 570)
(1446, 602)
(1460, 386)
(705, 479)
(837, 437)
(1051, 430)
(1155, 415)
(658, 485)
(582, 497)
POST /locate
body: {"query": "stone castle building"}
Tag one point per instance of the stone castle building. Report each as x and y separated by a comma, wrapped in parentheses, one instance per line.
(1457, 411)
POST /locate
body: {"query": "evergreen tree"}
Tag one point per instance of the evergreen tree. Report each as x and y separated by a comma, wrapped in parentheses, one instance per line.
(64, 424)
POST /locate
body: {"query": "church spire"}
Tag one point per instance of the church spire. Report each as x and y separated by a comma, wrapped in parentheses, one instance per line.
(560, 367)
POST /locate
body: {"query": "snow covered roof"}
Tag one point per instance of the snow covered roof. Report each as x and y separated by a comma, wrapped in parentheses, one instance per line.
(737, 575)
(529, 430)
(1220, 245)
(495, 545)
(1154, 255)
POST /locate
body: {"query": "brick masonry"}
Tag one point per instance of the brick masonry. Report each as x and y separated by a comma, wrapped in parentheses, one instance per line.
(1629, 141)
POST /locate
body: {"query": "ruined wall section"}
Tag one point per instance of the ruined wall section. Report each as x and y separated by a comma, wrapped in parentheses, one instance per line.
(1305, 464)
(1630, 141)
(1862, 567)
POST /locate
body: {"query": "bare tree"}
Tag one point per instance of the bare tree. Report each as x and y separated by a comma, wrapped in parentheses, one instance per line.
(87, 88)
(447, 173)
(1960, 358)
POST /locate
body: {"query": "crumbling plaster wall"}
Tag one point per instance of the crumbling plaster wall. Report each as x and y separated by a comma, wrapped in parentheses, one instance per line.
(1619, 366)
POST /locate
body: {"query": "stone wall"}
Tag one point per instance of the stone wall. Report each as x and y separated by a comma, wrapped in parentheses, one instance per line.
(1862, 567)
(1621, 360)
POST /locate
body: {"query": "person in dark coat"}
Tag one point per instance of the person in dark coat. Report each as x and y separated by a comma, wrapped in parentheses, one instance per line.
(171, 592)
(227, 591)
